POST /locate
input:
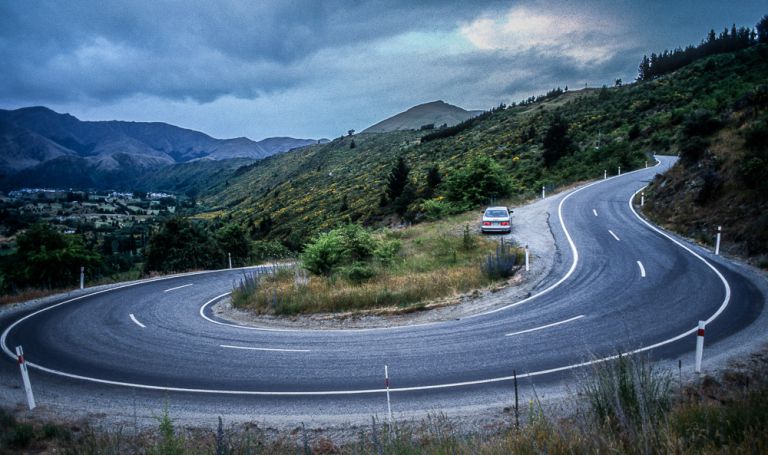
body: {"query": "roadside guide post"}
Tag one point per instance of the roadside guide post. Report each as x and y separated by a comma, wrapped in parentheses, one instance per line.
(389, 404)
(527, 268)
(717, 241)
(700, 345)
(25, 378)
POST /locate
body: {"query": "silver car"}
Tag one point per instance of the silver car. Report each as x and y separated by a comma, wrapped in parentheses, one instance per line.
(497, 219)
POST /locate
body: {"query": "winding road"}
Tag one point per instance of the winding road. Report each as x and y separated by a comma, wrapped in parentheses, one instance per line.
(619, 284)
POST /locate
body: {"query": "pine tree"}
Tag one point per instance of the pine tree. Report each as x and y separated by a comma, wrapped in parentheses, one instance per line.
(433, 177)
(762, 30)
(397, 179)
(556, 141)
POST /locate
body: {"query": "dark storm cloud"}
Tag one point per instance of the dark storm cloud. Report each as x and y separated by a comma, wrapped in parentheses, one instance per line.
(196, 50)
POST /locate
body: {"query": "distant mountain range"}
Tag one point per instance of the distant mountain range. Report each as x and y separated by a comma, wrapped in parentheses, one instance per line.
(39, 147)
(435, 113)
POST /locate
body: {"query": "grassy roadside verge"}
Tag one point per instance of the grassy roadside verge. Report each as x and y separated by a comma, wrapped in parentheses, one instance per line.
(408, 267)
(623, 406)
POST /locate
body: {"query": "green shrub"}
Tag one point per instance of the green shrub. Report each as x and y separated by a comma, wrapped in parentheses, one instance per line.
(358, 272)
(701, 123)
(387, 250)
(342, 246)
(477, 182)
(435, 209)
(324, 254)
(692, 149)
(263, 250)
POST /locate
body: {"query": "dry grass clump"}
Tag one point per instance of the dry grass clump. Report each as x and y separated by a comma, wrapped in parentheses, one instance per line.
(419, 264)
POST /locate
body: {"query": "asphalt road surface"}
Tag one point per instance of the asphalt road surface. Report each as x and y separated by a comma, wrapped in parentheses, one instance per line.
(619, 284)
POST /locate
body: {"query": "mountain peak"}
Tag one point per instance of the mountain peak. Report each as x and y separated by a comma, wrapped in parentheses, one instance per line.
(434, 112)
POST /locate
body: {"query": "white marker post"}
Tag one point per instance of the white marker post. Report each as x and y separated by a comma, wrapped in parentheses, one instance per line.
(619, 171)
(229, 255)
(717, 241)
(543, 193)
(699, 346)
(642, 199)
(25, 378)
(605, 174)
(646, 164)
(389, 403)
(82, 277)
(527, 268)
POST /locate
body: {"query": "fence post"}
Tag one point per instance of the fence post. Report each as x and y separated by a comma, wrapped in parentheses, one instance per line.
(25, 378)
(717, 241)
(700, 346)
(517, 408)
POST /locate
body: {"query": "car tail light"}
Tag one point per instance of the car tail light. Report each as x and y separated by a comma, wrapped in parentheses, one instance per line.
(486, 223)
(505, 223)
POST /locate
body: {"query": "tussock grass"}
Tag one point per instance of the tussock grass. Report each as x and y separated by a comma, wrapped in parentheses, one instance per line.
(435, 261)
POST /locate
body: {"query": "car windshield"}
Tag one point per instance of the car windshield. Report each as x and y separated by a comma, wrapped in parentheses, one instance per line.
(496, 213)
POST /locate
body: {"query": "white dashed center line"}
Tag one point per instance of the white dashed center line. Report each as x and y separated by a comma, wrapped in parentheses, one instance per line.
(177, 287)
(249, 348)
(545, 326)
(133, 318)
(642, 269)
(594, 211)
(614, 235)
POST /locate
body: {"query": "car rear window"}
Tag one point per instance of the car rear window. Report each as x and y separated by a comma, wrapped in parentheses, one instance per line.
(496, 213)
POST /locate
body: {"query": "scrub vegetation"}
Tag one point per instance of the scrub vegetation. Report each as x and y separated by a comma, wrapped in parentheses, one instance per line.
(622, 406)
(350, 268)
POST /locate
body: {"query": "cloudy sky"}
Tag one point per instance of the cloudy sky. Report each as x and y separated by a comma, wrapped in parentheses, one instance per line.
(318, 68)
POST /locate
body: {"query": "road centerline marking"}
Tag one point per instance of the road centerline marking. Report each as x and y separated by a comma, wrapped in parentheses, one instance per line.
(133, 318)
(642, 269)
(178, 287)
(545, 326)
(250, 348)
(594, 211)
(614, 236)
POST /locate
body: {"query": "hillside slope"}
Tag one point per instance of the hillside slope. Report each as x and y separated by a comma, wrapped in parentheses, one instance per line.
(39, 147)
(291, 196)
(435, 113)
(722, 176)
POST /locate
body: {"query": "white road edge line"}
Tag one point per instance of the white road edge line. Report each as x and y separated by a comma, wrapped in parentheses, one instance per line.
(642, 269)
(133, 318)
(249, 348)
(594, 211)
(545, 326)
(416, 388)
(614, 236)
(178, 287)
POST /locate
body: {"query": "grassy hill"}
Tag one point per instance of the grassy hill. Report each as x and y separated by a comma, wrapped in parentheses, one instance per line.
(292, 196)
(424, 115)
